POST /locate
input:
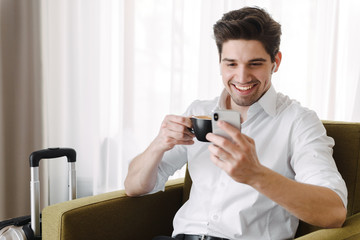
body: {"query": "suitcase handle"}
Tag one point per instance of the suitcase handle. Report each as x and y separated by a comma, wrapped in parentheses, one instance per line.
(35, 157)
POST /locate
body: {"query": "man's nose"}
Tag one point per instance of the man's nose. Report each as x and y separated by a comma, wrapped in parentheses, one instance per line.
(242, 74)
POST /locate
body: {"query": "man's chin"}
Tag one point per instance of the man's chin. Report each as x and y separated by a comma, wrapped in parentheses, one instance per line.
(243, 102)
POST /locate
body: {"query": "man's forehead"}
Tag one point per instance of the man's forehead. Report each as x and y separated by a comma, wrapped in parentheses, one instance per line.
(244, 50)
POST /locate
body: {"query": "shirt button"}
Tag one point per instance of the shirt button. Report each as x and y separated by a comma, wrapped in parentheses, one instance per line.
(215, 217)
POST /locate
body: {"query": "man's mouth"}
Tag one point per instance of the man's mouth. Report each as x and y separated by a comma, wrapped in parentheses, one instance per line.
(244, 88)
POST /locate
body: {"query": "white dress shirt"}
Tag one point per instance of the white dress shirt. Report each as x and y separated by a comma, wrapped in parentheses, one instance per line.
(289, 139)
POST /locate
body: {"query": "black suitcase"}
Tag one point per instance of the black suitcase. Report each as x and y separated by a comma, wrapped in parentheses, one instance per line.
(29, 227)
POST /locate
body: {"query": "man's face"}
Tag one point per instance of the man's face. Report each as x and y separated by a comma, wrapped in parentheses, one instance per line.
(246, 70)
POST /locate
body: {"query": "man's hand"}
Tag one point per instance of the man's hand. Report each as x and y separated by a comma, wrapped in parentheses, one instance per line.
(174, 131)
(237, 157)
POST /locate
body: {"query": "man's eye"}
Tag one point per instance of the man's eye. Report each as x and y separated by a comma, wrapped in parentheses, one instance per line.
(231, 64)
(256, 64)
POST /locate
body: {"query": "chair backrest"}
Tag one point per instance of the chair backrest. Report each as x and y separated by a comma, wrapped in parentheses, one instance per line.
(347, 158)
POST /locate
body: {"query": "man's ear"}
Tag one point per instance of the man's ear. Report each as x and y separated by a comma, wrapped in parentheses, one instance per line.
(277, 62)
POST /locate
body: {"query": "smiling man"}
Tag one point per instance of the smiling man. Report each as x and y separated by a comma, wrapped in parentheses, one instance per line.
(276, 170)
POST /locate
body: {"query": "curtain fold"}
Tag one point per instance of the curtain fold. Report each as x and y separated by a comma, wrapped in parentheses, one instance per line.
(21, 112)
(72, 60)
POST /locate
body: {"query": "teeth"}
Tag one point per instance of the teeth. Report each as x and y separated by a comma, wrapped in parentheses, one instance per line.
(244, 88)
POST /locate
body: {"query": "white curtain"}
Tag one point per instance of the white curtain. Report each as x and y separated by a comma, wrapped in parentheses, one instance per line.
(83, 92)
(320, 48)
(113, 69)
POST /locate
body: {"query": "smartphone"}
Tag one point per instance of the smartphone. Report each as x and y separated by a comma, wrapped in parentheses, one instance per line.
(229, 116)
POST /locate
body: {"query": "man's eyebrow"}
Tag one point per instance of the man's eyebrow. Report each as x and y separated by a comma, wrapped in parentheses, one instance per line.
(258, 60)
(251, 60)
(228, 60)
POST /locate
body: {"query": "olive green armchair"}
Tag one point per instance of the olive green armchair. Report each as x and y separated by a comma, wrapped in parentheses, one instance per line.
(116, 216)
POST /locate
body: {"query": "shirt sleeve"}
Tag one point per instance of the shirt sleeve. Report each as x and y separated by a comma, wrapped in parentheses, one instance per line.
(312, 158)
(172, 161)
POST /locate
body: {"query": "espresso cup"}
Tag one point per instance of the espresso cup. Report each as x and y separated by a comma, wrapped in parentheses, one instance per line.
(201, 125)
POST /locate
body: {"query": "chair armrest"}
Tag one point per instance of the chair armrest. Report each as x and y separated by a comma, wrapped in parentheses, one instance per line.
(114, 215)
(350, 230)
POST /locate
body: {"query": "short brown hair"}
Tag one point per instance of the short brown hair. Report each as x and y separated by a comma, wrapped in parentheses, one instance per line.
(249, 23)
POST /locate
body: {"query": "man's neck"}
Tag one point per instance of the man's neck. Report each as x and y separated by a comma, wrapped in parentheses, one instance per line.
(242, 109)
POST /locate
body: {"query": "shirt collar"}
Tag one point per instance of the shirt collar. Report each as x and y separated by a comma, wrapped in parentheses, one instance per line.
(266, 102)
(221, 104)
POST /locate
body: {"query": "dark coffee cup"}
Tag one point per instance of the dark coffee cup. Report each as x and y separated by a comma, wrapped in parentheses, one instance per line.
(201, 125)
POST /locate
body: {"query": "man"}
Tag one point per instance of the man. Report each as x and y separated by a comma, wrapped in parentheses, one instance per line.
(276, 170)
